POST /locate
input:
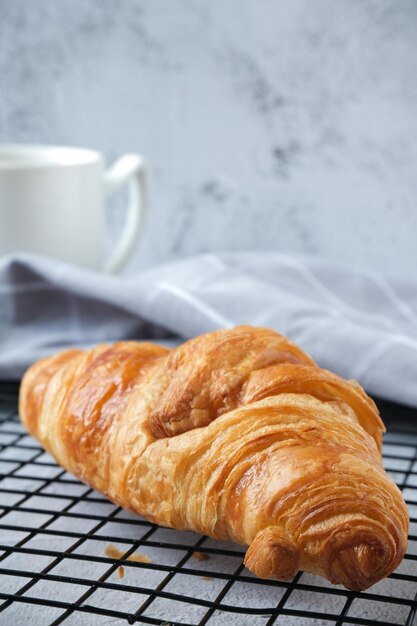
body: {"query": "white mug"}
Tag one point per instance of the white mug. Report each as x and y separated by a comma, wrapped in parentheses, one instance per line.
(52, 202)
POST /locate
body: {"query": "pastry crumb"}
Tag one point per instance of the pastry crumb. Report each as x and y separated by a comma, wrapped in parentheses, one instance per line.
(121, 572)
(201, 556)
(114, 553)
(139, 558)
(208, 578)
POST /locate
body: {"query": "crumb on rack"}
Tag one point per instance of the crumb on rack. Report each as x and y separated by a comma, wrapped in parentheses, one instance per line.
(201, 556)
(139, 558)
(121, 572)
(208, 578)
(114, 553)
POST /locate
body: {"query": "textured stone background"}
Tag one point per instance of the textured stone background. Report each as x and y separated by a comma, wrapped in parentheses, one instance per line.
(269, 124)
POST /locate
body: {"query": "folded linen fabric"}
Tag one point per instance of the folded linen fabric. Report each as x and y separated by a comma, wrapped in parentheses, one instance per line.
(352, 321)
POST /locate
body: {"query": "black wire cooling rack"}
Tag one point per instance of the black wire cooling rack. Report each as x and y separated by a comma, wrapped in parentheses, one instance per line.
(55, 534)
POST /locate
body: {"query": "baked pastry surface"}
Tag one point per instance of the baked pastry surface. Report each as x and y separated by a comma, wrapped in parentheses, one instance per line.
(236, 434)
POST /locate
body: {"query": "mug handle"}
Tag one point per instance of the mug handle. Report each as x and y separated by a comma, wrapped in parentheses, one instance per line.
(129, 168)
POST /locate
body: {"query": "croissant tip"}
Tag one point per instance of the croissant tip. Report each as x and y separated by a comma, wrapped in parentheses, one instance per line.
(359, 567)
(273, 554)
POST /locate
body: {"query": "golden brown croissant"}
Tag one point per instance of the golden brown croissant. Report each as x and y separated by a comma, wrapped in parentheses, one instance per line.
(236, 434)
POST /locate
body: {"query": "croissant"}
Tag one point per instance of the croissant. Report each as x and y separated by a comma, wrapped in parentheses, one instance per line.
(236, 434)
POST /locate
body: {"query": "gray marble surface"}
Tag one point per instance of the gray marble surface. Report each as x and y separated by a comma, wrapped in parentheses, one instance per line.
(282, 125)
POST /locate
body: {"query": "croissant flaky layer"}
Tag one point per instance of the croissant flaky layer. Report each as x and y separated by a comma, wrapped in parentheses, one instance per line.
(236, 434)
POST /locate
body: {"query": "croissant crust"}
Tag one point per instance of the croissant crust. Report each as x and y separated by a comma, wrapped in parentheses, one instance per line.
(236, 434)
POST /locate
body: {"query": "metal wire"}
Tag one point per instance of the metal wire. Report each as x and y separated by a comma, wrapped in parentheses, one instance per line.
(54, 532)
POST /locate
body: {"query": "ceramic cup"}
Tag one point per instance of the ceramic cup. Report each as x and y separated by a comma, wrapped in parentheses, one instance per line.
(52, 202)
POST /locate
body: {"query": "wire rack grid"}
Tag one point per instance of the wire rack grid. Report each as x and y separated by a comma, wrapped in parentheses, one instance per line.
(55, 534)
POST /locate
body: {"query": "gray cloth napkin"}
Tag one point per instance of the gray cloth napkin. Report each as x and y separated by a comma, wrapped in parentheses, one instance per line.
(354, 322)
